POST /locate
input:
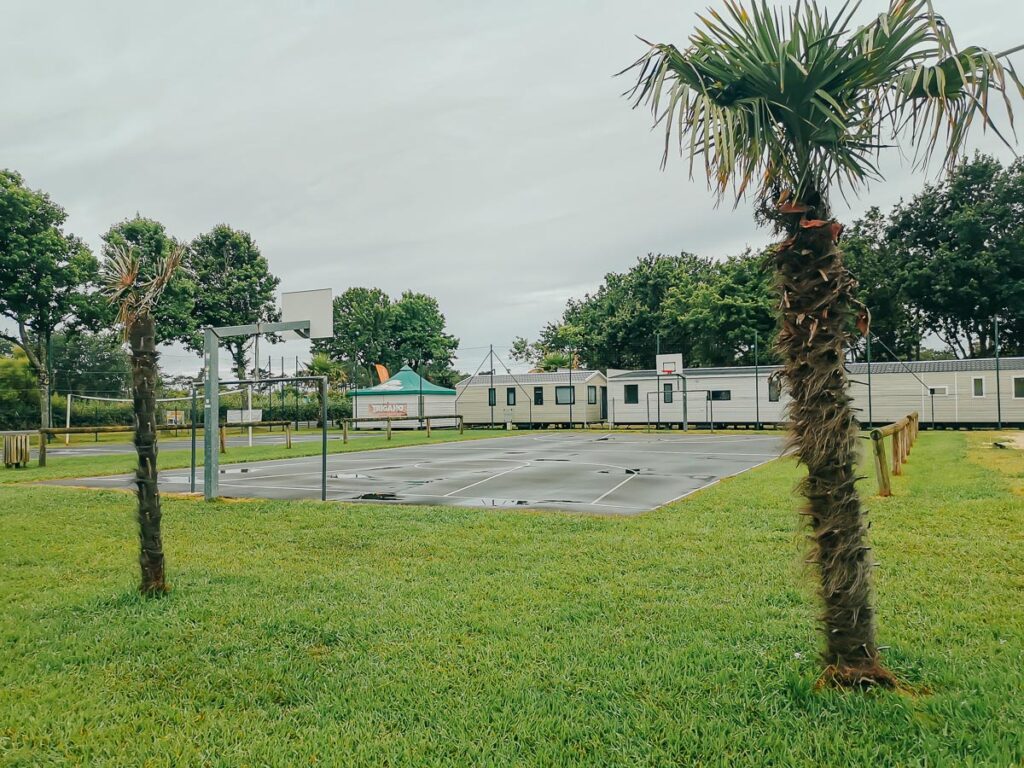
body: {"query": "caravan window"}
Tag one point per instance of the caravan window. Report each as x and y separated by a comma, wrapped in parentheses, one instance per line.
(978, 386)
(492, 396)
(1018, 387)
(565, 395)
(667, 392)
(592, 395)
(774, 390)
(631, 394)
(538, 395)
(720, 394)
(510, 396)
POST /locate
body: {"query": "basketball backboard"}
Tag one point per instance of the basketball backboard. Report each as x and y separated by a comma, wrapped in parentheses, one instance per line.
(316, 306)
(669, 364)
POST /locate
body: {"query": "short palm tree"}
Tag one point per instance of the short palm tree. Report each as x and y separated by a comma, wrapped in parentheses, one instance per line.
(135, 292)
(791, 106)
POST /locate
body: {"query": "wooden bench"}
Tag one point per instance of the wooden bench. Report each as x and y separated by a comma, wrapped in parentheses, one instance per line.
(16, 451)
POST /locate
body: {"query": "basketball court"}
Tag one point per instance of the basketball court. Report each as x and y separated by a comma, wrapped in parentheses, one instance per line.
(613, 473)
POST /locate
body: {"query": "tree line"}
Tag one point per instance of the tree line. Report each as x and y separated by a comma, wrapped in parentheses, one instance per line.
(935, 272)
(61, 337)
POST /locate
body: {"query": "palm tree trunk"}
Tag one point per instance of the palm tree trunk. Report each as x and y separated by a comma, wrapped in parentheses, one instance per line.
(141, 336)
(817, 307)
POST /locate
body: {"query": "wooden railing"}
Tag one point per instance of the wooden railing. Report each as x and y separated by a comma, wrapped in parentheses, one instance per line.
(903, 434)
(387, 422)
(159, 427)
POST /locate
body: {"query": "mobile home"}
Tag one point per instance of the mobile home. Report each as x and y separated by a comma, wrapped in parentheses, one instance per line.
(533, 399)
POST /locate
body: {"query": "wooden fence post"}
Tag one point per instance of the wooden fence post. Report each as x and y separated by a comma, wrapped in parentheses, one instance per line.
(881, 465)
(42, 449)
(428, 426)
(287, 435)
(462, 424)
(223, 440)
(389, 429)
(897, 452)
(344, 431)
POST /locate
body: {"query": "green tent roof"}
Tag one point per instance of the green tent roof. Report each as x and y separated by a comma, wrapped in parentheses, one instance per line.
(405, 382)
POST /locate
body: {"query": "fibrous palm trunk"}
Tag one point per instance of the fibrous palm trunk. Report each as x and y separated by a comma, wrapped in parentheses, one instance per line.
(818, 307)
(141, 337)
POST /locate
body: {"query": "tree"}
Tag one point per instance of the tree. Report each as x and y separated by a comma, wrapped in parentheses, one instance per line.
(362, 332)
(792, 105)
(90, 363)
(152, 247)
(961, 245)
(134, 287)
(882, 287)
(19, 391)
(552, 361)
(237, 288)
(321, 364)
(371, 328)
(418, 333)
(46, 277)
(714, 320)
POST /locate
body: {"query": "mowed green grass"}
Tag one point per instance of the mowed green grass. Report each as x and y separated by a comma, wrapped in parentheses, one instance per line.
(301, 633)
(86, 465)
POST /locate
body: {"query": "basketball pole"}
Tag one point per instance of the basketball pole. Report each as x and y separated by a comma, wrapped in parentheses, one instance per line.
(211, 395)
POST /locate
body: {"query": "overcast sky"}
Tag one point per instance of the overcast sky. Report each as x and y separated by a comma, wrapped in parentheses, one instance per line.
(477, 151)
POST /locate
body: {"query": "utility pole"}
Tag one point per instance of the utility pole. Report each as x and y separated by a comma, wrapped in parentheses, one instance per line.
(999, 403)
(757, 386)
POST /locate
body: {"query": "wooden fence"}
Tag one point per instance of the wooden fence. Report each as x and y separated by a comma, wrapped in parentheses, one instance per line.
(159, 427)
(903, 434)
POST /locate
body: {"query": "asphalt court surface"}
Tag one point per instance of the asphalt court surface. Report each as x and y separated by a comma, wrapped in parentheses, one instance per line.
(613, 473)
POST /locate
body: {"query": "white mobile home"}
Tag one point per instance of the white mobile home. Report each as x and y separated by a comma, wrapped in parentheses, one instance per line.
(946, 393)
(404, 395)
(538, 399)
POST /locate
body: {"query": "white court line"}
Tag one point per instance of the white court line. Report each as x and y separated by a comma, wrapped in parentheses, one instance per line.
(717, 480)
(606, 493)
(486, 479)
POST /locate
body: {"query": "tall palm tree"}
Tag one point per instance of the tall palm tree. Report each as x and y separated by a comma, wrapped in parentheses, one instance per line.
(135, 292)
(794, 105)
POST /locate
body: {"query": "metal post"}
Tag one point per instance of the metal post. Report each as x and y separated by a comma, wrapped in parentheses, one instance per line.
(211, 416)
(323, 438)
(192, 464)
(67, 421)
(757, 387)
(999, 403)
(490, 389)
(686, 405)
(572, 392)
(870, 415)
(657, 373)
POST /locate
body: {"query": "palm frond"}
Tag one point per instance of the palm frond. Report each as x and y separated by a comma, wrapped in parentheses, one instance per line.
(123, 285)
(802, 100)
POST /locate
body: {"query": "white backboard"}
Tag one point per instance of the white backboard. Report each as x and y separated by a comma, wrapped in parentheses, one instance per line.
(669, 364)
(316, 306)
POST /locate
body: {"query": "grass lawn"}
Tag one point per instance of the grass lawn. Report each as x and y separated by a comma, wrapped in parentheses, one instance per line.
(87, 465)
(304, 633)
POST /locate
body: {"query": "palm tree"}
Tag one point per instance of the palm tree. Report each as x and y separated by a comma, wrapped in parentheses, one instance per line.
(136, 295)
(794, 105)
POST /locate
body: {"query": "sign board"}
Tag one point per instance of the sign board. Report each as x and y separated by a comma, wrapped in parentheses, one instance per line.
(235, 416)
(388, 410)
(317, 306)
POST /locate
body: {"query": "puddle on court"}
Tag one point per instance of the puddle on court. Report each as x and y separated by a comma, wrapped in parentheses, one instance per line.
(378, 497)
(349, 476)
(235, 471)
